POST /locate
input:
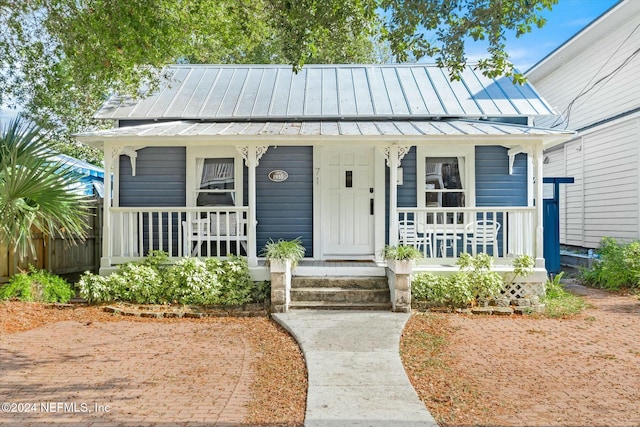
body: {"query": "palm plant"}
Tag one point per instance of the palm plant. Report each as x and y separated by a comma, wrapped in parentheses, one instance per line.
(35, 192)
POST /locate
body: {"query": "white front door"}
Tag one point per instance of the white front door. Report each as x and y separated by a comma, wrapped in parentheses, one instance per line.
(347, 203)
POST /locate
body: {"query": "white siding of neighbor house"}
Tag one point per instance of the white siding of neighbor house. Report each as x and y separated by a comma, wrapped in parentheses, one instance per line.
(604, 201)
(620, 92)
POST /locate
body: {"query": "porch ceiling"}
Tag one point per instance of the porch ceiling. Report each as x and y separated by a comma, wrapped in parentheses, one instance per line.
(393, 128)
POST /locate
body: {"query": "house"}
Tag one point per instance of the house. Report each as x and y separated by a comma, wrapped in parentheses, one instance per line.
(592, 81)
(347, 157)
(90, 177)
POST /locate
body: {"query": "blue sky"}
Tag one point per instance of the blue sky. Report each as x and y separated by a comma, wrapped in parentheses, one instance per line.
(567, 18)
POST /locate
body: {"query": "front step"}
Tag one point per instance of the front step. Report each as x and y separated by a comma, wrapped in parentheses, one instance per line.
(320, 305)
(344, 282)
(340, 293)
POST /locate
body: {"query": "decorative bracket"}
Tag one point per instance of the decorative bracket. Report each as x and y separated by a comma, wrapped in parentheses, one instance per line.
(116, 152)
(513, 152)
(244, 152)
(402, 151)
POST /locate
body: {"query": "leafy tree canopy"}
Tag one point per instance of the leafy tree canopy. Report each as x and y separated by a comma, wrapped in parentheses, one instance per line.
(60, 59)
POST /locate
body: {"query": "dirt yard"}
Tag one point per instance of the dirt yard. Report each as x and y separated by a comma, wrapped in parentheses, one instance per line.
(83, 366)
(526, 371)
(476, 371)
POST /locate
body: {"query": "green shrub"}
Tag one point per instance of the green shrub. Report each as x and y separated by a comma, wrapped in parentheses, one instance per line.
(559, 302)
(37, 285)
(140, 283)
(291, 250)
(618, 266)
(474, 282)
(236, 286)
(95, 288)
(188, 281)
(401, 253)
(442, 290)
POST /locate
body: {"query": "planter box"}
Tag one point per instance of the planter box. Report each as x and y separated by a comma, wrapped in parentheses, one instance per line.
(279, 266)
(400, 266)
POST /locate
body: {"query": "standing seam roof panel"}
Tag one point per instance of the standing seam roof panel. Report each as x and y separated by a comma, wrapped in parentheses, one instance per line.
(411, 92)
(247, 100)
(183, 96)
(397, 98)
(378, 92)
(218, 92)
(262, 102)
(447, 97)
(364, 101)
(330, 92)
(479, 93)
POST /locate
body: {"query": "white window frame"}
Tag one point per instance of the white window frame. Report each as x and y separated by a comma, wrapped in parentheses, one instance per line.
(212, 152)
(448, 150)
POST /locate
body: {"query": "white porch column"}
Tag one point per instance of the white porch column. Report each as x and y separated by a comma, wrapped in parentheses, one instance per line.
(394, 155)
(252, 155)
(252, 249)
(538, 158)
(105, 260)
(393, 162)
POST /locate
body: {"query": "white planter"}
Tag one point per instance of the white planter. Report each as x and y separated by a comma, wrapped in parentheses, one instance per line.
(400, 266)
(280, 265)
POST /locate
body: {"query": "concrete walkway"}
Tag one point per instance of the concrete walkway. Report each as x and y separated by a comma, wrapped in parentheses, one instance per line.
(356, 377)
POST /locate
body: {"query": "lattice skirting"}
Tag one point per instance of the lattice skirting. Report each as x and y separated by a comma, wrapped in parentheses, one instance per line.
(523, 289)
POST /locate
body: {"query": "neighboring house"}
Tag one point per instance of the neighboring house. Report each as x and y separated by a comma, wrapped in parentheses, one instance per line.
(91, 177)
(592, 80)
(347, 157)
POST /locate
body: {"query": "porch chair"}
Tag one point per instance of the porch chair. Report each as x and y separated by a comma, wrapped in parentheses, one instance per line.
(410, 236)
(208, 231)
(482, 233)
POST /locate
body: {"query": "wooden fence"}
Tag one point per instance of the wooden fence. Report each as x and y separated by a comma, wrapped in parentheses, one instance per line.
(58, 255)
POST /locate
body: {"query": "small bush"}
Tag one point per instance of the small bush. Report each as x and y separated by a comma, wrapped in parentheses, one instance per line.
(37, 285)
(474, 282)
(559, 302)
(617, 266)
(188, 281)
(96, 289)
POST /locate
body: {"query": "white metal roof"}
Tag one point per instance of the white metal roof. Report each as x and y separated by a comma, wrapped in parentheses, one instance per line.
(325, 128)
(341, 92)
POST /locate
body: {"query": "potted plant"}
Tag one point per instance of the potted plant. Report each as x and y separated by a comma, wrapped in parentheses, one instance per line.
(400, 258)
(283, 254)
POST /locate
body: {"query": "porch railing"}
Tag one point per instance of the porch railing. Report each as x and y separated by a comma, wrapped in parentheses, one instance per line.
(442, 234)
(201, 231)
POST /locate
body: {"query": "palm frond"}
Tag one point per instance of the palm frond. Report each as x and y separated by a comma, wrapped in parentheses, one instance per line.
(35, 192)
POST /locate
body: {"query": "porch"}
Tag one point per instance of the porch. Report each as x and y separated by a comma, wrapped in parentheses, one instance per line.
(440, 234)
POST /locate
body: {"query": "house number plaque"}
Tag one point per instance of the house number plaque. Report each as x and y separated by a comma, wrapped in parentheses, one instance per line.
(278, 175)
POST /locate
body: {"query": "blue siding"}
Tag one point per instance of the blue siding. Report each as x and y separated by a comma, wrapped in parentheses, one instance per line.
(159, 181)
(494, 185)
(407, 192)
(285, 209)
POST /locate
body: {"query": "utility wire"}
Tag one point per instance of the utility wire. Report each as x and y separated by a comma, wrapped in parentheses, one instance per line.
(586, 89)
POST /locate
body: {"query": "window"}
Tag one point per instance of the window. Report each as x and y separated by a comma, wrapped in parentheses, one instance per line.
(214, 176)
(445, 181)
(444, 184)
(217, 182)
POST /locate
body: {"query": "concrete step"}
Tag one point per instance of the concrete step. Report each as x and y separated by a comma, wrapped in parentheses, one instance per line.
(325, 305)
(344, 282)
(340, 295)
